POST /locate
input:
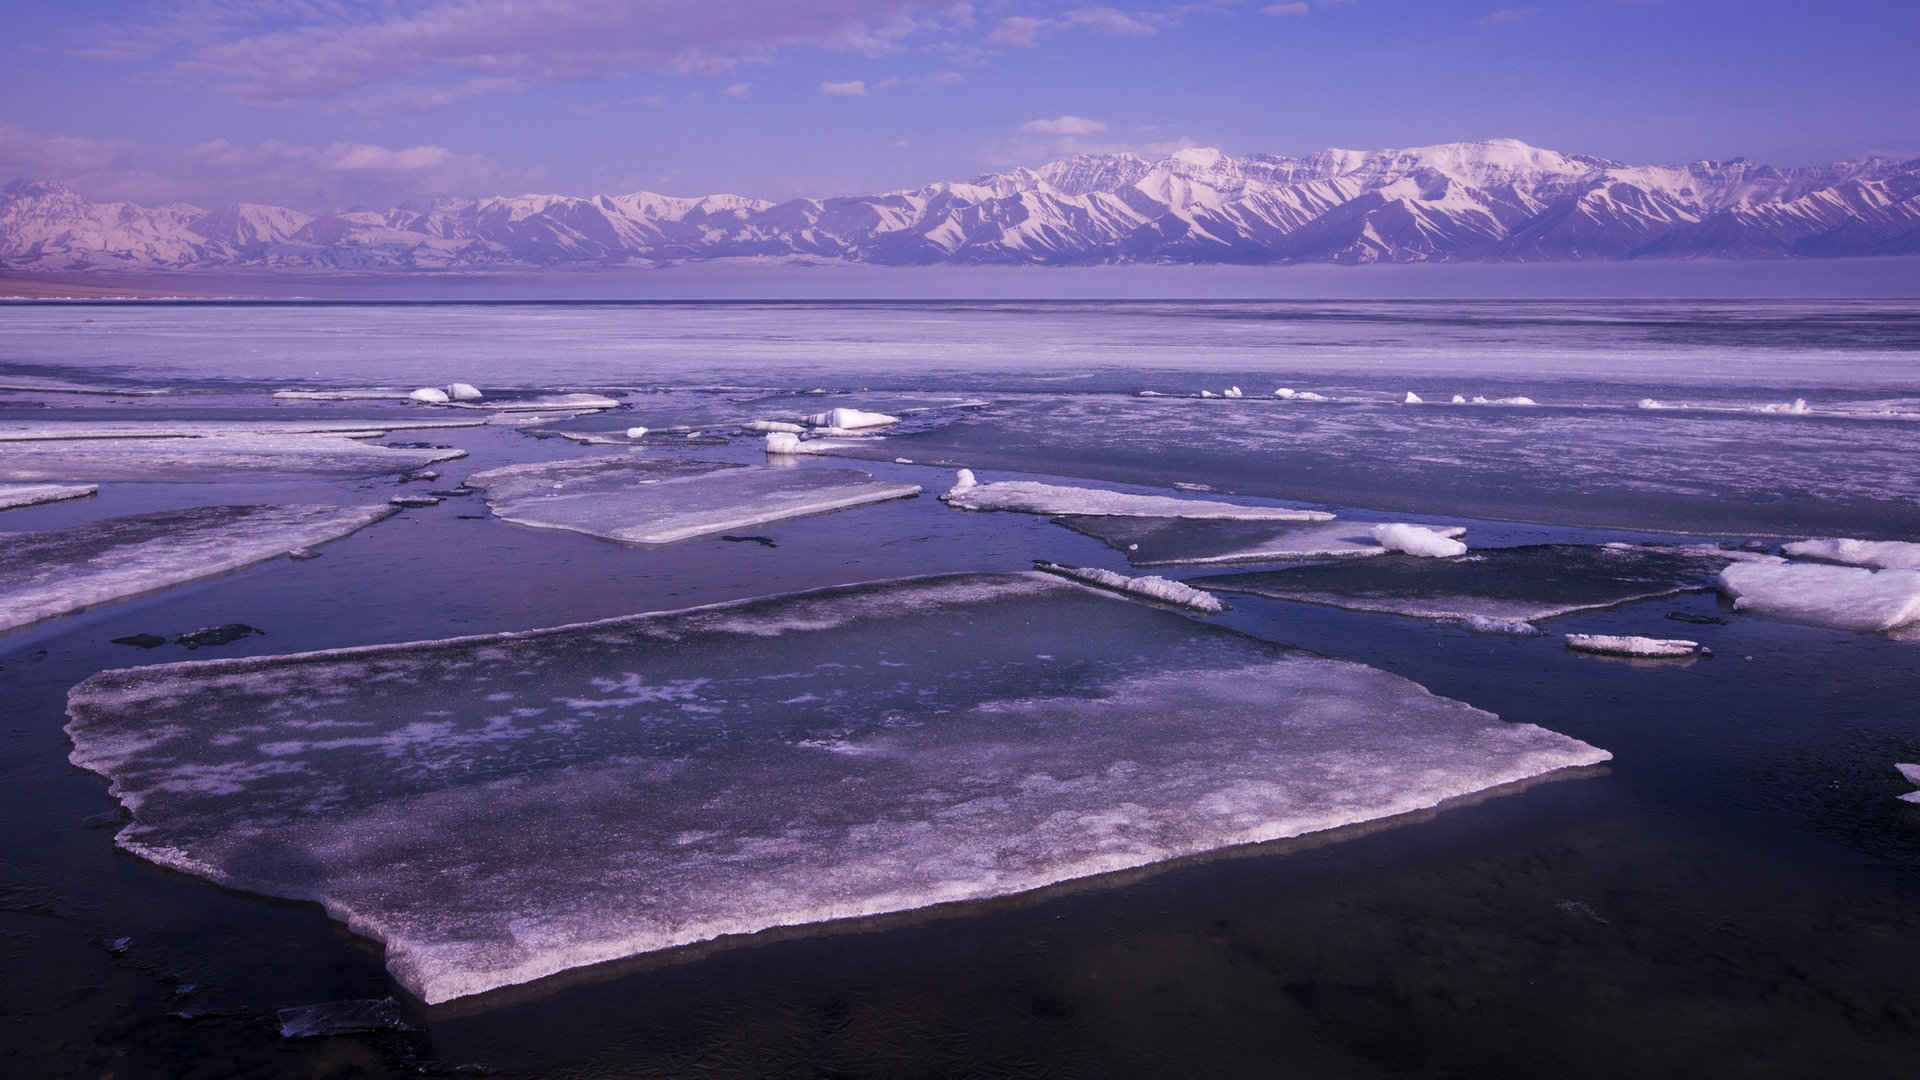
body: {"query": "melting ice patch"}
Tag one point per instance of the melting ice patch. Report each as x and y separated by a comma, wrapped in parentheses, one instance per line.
(1538, 581)
(444, 798)
(1841, 597)
(1034, 497)
(44, 574)
(653, 501)
(1877, 554)
(1168, 541)
(18, 495)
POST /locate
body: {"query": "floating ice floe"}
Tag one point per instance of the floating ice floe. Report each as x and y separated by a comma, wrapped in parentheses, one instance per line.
(430, 395)
(60, 571)
(1634, 646)
(1839, 597)
(1520, 583)
(13, 496)
(1419, 540)
(1652, 404)
(1232, 392)
(1796, 407)
(850, 419)
(571, 402)
(1877, 554)
(1912, 775)
(1208, 394)
(636, 432)
(464, 392)
(764, 427)
(1164, 590)
(496, 809)
(359, 393)
(1034, 497)
(1413, 399)
(115, 456)
(1485, 624)
(89, 430)
(1181, 541)
(642, 501)
(1288, 393)
(781, 443)
(1146, 393)
(31, 385)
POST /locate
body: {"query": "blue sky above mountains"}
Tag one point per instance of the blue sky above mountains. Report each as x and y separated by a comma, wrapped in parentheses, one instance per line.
(327, 102)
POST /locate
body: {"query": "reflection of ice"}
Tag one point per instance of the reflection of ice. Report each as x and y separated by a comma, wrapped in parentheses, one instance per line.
(16, 495)
(495, 809)
(1034, 497)
(1160, 541)
(1521, 583)
(1842, 597)
(44, 574)
(645, 501)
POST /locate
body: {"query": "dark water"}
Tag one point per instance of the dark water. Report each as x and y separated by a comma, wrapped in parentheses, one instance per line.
(1733, 895)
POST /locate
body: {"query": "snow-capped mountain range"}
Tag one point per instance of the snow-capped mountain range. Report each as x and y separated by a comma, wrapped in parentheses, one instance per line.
(1495, 200)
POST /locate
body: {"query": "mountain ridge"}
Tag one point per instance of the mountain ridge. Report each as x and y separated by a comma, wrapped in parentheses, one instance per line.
(1493, 200)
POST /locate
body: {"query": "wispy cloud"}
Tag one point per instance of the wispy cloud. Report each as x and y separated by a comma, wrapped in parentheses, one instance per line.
(739, 91)
(1298, 7)
(1063, 125)
(856, 88)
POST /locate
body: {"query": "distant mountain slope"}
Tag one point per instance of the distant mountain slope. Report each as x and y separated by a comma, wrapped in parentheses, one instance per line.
(1495, 200)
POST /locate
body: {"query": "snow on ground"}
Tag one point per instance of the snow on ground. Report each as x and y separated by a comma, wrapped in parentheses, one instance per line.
(1162, 589)
(649, 501)
(496, 809)
(1419, 540)
(1841, 597)
(1034, 497)
(1877, 554)
(1632, 645)
(18, 495)
(60, 571)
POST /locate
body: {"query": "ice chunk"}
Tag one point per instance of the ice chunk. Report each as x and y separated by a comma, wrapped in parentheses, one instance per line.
(1232, 392)
(1413, 399)
(1308, 395)
(1482, 624)
(1911, 772)
(573, 402)
(963, 479)
(430, 395)
(1417, 540)
(1796, 407)
(1164, 541)
(1459, 399)
(496, 809)
(1878, 554)
(643, 501)
(1208, 394)
(849, 419)
(1146, 393)
(464, 392)
(1284, 392)
(1841, 597)
(17, 495)
(768, 426)
(782, 443)
(1162, 589)
(1034, 497)
(205, 459)
(44, 574)
(1524, 583)
(342, 1018)
(1632, 645)
(636, 432)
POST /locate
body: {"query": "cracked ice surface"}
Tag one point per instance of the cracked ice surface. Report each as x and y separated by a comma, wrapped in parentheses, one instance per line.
(658, 501)
(500, 808)
(59, 571)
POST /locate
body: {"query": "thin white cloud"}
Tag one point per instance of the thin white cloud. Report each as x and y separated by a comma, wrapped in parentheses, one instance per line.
(739, 91)
(1108, 20)
(1063, 125)
(1019, 31)
(856, 88)
(1298, 7)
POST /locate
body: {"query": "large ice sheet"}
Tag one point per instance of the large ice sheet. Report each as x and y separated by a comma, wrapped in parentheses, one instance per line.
(44, 574)
(208, 458)
(1538, 581)
(1163, 541)
(1842, 597)
(658, 501)
(55, 430)
(496, 809)
(17, 495)
(1034, 497)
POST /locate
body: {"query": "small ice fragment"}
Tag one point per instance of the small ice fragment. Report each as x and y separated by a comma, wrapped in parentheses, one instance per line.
(1151, 587)
(1488, 624)
(414, 501)
(1233, 392)
(1653, 403)
(963, 480)
(1418, 540)
(1516, 400)
(1459, 399)
(1633, 645)
(783, 442)
(1878, 554)
(1147, 393)
(1308, 395)
(225, 634)
(1911, 772)
(903, 461)
(430, 395)
(1412, 399)
(16, 495)
(1208, 394)
(301, 554)
(850, 418)
(463, 392)
(636, 432)
(763, 427)
(1034, 497)
(420, 474)
(119, 945)
(1284, 392)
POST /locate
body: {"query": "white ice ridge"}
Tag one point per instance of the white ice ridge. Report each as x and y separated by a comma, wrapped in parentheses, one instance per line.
(578, 402)
(849, 419)
(204, 458)
(764, 427)
(1841, 597)
(1420, 540)
(1878, 554)
(1034, 497)
(1632, 645)
(782, 443)
(648, 501)
(17, 495)
(1413, 399)
(1288, 393)
(497, 809)
(57, 572)
(1165, 590)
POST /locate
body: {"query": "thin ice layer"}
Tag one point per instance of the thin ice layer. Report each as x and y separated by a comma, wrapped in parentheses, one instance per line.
(1034, 497)
(1528, 583)
(60, 571)
(17, 495)
(1164, 541)
(496, 809)
(57, 430)
(1841, 597)
(643, 501)
(205, 459)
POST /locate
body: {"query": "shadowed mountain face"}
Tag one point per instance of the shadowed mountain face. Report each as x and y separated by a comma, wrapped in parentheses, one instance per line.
(1495, 200)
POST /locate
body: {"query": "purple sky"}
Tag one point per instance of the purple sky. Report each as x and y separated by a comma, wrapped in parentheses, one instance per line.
(325, 102)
